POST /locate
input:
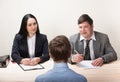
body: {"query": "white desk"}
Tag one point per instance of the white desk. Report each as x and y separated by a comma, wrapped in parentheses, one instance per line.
(14, 73)
(107, 73)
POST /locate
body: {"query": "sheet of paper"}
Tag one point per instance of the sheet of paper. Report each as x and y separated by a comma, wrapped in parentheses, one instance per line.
(26, 68)
(86, 64)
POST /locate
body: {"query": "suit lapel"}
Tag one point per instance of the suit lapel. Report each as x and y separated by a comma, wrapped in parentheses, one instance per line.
(79, 46)
(38, 41)
(25, 46)
(96, 46)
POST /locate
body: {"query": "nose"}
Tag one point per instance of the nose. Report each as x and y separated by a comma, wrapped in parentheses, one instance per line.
(33, 26)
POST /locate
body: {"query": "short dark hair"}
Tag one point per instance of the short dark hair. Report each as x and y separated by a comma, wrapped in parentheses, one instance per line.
(23, 30)
(85, 18)
(60, 48)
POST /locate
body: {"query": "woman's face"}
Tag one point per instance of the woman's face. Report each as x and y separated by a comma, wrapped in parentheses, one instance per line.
(31, 26)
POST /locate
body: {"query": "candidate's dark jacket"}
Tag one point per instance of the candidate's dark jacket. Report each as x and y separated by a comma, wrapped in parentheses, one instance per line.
(20, 48)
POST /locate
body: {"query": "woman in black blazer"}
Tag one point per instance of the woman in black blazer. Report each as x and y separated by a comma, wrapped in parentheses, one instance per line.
(30, 47)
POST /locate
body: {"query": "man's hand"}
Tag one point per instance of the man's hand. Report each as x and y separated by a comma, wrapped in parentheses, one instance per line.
(77, 58)
(97, 62)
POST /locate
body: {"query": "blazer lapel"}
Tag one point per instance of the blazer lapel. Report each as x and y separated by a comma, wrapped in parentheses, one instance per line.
(79, 46)
(37, 42)
(25, 46)
(96, 47)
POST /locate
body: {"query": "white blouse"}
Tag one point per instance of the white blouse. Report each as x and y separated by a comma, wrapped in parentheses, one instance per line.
(31, 45)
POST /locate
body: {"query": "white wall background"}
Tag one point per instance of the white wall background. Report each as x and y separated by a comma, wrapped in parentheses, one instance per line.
(57, 17)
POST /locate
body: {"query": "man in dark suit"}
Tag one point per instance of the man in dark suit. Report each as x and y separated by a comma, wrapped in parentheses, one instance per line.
(98, 49)
(30, 47)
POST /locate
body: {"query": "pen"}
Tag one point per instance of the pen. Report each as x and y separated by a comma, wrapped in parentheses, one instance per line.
(76, 51)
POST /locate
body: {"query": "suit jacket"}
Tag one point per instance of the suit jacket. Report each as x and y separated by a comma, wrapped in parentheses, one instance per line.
(61, 73)
(102, 47)
(20, 48)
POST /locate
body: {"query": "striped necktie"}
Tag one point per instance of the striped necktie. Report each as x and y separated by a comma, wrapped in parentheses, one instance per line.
(87, 51)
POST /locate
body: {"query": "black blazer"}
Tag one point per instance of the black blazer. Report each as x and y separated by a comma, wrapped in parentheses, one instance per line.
(20, 48)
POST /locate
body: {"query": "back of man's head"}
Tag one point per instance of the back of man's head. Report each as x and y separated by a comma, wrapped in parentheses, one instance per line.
(60, 48)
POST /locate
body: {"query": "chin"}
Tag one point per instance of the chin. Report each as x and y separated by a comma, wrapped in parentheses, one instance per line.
(85, 36)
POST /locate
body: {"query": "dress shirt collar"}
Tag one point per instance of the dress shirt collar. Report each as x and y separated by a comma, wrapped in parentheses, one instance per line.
(59, 65)
(92, 37)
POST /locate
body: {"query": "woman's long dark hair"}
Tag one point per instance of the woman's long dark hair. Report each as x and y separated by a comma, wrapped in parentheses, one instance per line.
(23, 28)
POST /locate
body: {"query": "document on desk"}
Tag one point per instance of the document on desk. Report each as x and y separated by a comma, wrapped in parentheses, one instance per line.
(87, 64)
(28, 68)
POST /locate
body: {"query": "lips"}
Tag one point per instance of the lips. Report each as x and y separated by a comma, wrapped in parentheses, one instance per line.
(84, 33)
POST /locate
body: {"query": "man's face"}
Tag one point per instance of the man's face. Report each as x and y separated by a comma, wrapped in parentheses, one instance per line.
(86, 30)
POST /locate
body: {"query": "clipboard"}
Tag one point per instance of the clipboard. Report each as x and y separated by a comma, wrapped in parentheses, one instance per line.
(28, 68)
